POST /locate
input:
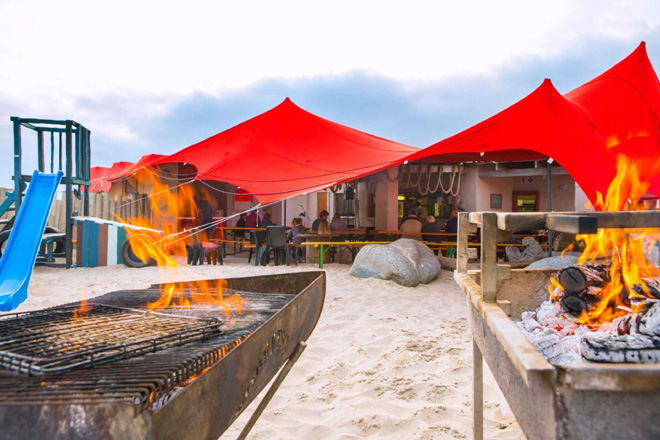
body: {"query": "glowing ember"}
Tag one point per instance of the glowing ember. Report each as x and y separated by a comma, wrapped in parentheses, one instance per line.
(627, 249)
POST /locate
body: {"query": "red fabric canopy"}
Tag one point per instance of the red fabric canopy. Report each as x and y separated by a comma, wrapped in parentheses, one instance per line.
(102, 177)
(288, 151)
(616, 112)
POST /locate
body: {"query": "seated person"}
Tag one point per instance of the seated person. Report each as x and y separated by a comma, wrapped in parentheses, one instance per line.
(452, 224)
(322, 216)
(266, 221)
(296, 230)
(324, 226)
(433, 227)
(337, 223)
(411, 226)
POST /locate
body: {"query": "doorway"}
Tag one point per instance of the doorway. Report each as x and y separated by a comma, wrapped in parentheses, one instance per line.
(321, 202)
(525, 201)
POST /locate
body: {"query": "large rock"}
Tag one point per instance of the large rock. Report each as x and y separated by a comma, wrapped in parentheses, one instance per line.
(556, 262)
(405, 261)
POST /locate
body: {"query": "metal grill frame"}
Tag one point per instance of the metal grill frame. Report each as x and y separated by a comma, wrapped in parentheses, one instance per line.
(204, 408)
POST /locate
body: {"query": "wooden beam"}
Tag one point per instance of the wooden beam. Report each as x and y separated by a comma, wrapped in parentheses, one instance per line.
(573, 224)
(522, 172)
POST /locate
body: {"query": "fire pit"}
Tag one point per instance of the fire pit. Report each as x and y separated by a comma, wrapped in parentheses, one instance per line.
(112, 368)
(576, 401)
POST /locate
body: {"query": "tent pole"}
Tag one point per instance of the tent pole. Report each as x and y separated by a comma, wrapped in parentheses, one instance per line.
(550, 204)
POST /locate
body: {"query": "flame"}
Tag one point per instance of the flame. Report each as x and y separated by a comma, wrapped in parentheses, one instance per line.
(627, 248)
(80, 312)
(167, 205)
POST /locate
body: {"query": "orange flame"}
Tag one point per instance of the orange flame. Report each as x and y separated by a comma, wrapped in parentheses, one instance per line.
(627, 248)
(168, 204)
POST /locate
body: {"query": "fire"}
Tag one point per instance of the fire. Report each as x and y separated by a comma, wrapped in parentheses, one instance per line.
(182, 295)
(627, 248)
(168, 204)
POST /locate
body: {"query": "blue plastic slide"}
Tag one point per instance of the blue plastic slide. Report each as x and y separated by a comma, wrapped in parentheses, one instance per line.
(24, 240)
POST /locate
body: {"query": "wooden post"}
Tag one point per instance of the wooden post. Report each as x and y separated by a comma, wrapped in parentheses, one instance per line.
(105, 206)
(488, 256)
(477, 393)
(462, 242)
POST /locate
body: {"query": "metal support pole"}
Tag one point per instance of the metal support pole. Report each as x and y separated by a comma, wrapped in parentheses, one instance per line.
(488, 256)
(68, 244)
(60, 168)
(462, 242)
(40, 152)
(477, 393)
(85, 168)
(273, 389)
(52, 152)
(17, 163)
(549, 204)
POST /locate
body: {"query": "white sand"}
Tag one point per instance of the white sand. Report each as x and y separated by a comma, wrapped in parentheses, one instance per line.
(384, 361)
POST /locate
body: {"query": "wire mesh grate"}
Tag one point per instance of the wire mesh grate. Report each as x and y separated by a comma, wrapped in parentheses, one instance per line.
(64, 339)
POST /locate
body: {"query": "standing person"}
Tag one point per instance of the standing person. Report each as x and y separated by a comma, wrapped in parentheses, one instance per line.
(240, 223)
(434, 227)
(322, 216)
(337, 223)
(412, 226)
(251, 220)
(206, 216)
(452, 224)
(266, 221)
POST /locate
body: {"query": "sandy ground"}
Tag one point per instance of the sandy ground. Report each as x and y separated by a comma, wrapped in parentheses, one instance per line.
(385, 361)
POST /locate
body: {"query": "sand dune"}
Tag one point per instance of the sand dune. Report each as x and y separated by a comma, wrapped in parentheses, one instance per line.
(384, 361)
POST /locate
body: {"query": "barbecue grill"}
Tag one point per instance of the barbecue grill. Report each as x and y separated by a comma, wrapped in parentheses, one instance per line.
(113, 369)
(585, 401)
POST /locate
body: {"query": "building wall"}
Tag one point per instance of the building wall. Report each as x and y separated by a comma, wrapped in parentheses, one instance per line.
(468, 192)
(475, 194)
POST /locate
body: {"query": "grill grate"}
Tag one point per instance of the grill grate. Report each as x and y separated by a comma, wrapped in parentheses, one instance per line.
(60, 339)
(147, 381)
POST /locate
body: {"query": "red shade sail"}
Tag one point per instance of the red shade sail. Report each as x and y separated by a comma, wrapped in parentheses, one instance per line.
(288, 151)
(584, 130)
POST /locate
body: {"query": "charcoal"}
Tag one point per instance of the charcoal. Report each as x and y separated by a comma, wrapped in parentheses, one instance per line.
(575, 279)
(648, 321)
(632, 349)
(574, 304)
(653, 286)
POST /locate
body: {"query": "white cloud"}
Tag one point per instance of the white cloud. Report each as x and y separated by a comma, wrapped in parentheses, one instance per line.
(176, 48)
(109, 64)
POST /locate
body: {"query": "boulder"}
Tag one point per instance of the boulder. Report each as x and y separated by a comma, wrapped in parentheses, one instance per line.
(557, 262)
(406, 262)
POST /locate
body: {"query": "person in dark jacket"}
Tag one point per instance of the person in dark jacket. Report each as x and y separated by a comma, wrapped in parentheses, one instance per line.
(433, 227)
(322, 216)
(266, 221)
(452, 224)
(240, 223)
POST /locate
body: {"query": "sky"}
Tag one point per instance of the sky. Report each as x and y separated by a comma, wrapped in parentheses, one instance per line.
(155, 77)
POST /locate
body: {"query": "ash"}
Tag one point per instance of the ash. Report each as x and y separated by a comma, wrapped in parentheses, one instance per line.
(557, 334)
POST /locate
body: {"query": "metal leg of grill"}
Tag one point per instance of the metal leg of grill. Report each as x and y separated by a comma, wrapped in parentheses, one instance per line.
(477, 393)
(273, 389)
